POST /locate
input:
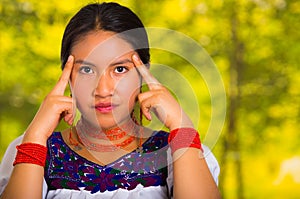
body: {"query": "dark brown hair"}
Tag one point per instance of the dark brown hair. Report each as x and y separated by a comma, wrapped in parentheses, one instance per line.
(108, 17)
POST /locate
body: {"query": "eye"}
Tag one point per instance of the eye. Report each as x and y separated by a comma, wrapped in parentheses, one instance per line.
(120, 69)
(86, 70)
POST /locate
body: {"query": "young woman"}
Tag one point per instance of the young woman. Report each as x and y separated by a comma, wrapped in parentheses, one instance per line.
(108, 153)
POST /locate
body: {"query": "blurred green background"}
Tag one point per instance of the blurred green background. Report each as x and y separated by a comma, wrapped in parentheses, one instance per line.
(254, 43)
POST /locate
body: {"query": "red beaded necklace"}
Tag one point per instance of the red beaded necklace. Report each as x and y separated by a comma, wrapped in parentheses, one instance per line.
(112, 135)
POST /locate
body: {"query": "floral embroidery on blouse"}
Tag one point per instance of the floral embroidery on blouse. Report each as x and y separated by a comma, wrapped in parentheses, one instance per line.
(65, 169)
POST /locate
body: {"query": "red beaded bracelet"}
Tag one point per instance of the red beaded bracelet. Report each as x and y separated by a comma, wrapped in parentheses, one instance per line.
(31, 153)
(183, 138)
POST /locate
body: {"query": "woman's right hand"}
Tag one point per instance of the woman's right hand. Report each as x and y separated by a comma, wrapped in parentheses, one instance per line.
(54, 107)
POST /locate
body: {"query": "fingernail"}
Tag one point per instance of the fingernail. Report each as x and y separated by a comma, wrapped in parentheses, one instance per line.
(149, 117)
(69, 58)
(135, 57)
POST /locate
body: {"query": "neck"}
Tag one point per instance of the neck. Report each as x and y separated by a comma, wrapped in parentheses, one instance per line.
(108, 140)
(113, 133)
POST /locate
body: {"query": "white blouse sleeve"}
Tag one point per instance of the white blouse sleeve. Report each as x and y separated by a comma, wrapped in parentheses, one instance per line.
(212, 163)
(6, 165)
(210, 160)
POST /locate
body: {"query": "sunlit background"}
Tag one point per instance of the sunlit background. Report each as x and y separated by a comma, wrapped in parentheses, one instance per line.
(255, 45)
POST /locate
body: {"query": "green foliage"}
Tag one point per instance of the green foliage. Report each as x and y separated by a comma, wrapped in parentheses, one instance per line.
(267, 81)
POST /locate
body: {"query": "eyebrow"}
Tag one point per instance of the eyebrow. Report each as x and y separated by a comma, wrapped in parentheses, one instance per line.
(118, 62)
(123, 61)
(80, 61)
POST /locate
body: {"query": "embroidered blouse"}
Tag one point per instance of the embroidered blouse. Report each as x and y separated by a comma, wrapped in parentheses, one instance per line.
(139, 174)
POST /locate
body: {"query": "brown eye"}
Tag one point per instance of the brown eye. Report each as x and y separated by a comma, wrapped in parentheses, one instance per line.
(120, 69)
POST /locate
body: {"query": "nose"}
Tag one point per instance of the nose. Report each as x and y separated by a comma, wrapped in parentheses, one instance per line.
(105, 86)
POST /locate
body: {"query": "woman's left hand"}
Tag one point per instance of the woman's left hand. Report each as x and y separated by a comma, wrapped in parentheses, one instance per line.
(160, 101)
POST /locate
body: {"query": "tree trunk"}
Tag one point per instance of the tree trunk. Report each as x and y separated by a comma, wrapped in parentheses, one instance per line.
(231, 142)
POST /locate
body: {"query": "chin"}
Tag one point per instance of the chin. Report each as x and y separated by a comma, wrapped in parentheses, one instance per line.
(107, 123)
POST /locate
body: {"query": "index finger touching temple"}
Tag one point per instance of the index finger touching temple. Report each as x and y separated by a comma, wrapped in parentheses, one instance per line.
(65, 76)
(150, 80)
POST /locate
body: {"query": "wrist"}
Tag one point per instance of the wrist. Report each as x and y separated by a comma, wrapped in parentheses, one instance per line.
(182, 125)
(185, 122)
(31, 137)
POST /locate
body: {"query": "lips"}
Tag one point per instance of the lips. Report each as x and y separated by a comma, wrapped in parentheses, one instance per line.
(105, 107)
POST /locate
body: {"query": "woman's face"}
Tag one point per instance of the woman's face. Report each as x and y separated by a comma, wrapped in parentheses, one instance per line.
(104, 80)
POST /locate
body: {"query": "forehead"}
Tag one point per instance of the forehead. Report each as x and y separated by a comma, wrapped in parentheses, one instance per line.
(101, 47)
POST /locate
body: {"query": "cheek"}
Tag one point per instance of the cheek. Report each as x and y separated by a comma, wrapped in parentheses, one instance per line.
(81, 89)
(129, 86)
